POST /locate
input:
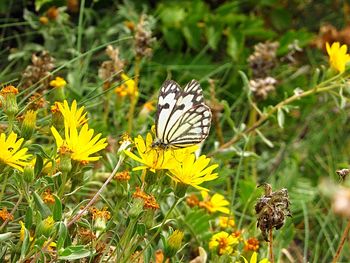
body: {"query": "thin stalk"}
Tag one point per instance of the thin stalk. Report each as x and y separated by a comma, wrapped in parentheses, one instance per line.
(342, 242)
(134, 96)
(272, 259)
(94, 198)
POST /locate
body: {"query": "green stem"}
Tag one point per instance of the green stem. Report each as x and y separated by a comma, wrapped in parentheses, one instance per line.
(317, 89)
(134, 97)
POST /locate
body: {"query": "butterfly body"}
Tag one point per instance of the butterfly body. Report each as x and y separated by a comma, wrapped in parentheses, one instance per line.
(182, 118)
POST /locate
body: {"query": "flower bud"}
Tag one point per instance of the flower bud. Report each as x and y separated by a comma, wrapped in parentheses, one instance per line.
(180, 190)
(58, 84)
(136, 208)
(9, 101)
(173, 243)
(45, 227)
(65, 153)
(28, 124)
(28, 173)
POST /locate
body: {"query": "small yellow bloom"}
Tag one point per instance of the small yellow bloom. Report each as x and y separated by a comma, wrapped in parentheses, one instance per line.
(22, 232)
(82, 143)
(11, 153)
(223, 242)
(73, 117)
(338, 56)
(194, 172)
(127, 88)
(226, 222)
(157, 158)
(50, 247)
(215, 203)
(58, 82)
(254, 259)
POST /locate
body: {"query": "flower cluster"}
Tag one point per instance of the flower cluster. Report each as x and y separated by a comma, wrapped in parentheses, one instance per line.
(81, 142)
(181, 164)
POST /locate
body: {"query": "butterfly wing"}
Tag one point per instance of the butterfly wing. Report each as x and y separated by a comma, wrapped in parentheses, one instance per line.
(182, 119)
(192, 128)
(168, 95)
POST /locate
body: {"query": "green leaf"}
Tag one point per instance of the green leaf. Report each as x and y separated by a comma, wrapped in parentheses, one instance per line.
(198, 222)
(43, 209)
(172, 38)
(192, 35)
(5, 236)
(40, 3)
(25, 244)
(62, 234)
(141, 229)
(57, 209)
(213, 35)
(74, 252)
(38, 165)
(28, 220)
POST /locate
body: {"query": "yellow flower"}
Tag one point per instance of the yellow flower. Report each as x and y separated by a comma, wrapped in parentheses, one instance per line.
(127, 88)
(254, 259)
(58, 82)
(82, 143)
(157, 158)
(73, 117)
(226, 222)
(338, 56)
(215, 203)
(11, 153)
(194, 172)
(22, 232)
(223, 242)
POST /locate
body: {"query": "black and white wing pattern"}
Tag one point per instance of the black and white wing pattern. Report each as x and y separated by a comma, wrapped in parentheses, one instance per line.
(182, 118)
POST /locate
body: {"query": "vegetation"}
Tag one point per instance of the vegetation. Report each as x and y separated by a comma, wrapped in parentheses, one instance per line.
(82, 177)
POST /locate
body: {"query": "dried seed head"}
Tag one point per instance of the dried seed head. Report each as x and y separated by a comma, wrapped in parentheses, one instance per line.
(262, 87)
(143, 38)
(42, 64)
(263, 59)
(272, 209)
(343, 173)
(109, 69)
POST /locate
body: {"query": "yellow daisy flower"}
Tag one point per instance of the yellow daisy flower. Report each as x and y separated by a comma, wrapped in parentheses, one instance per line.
(223, 242)
(157, 158)
(194, 172)
(73, 117)
(254, 259)
(338, 56)
(214, 203)
(11, 153)
(82, 143)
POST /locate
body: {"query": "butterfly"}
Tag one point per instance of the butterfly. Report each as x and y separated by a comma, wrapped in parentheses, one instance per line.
(182, 118)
